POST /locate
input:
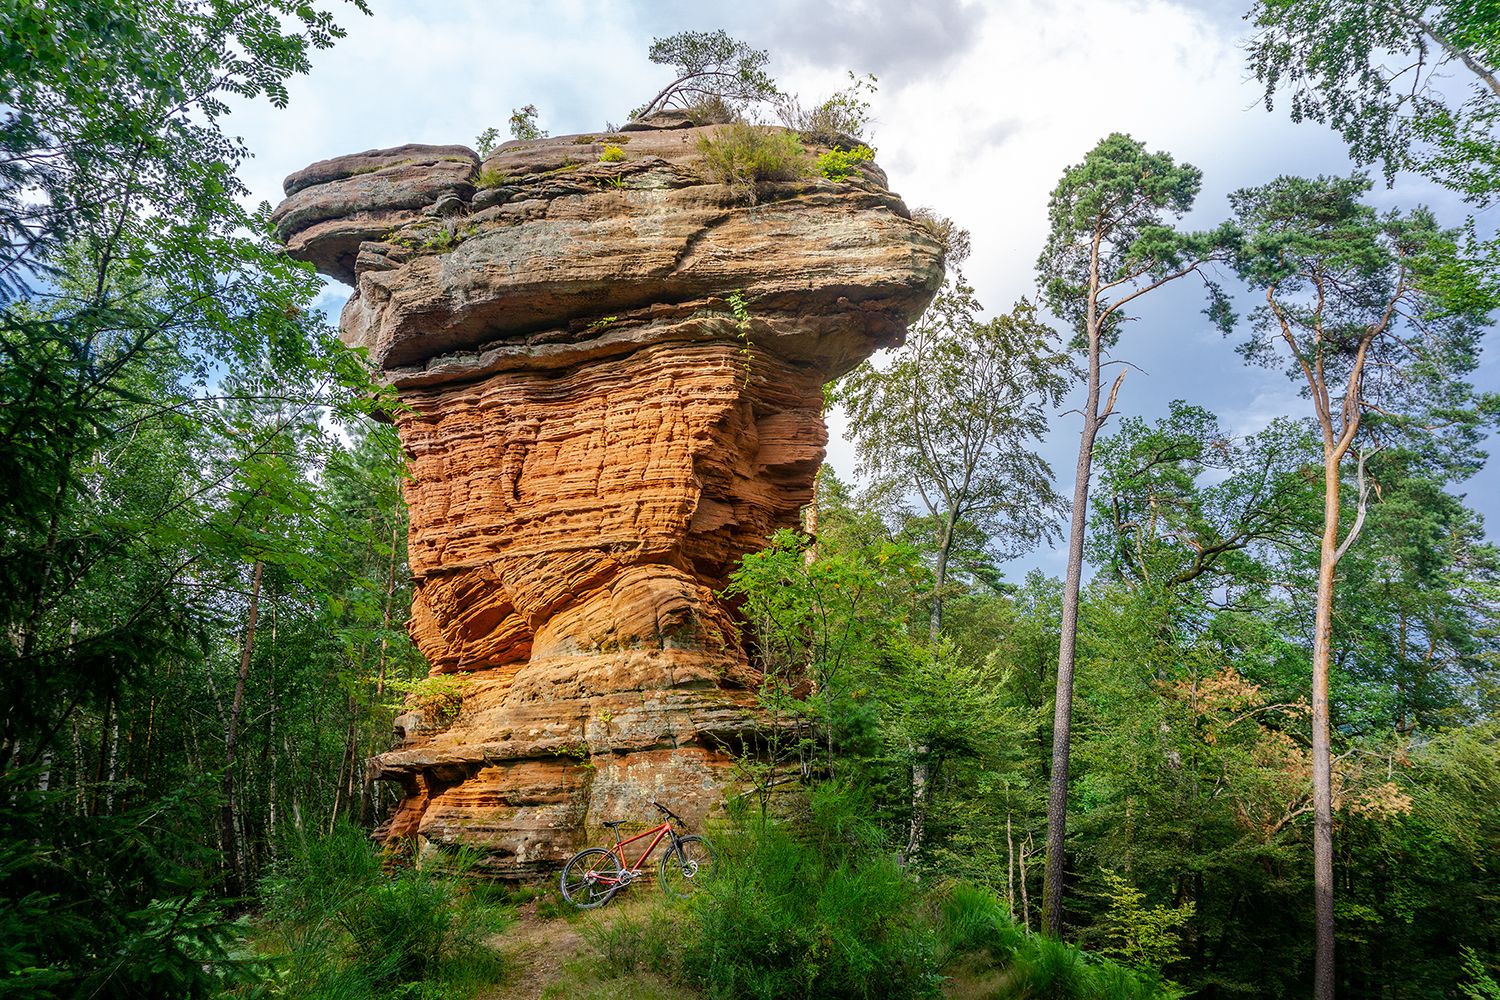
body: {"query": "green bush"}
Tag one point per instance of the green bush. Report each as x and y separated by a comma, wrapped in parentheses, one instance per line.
(744, 157)
(973, 920)
(813, 908)
(837, 164)
(611, 154)
(337, 923)
(817, 906)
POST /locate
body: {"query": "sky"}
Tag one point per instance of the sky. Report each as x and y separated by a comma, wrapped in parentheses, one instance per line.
(981, 106)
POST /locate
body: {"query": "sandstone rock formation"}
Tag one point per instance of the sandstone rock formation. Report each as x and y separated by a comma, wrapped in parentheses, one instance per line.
(612, 375)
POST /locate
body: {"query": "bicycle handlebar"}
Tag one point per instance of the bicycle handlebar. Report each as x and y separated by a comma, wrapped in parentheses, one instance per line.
(670, 813)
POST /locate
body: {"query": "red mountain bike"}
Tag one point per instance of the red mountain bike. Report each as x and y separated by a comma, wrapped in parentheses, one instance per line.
(593, 876)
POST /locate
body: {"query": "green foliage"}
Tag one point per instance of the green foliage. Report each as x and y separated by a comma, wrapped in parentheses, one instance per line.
(493, 178)
(1348, 290)
(841, 121)
(712, 69)
(107, 906)
(342, 920)
(1380, 74)
(953, 238)
(1143, 937)
(486, 141)
(972, 920)
(523, 126)
(839, 164)
(813, 909)
(439, 697)
(1480, 985)
(611, 154)
(1109, 213)
(952, 421)
(747, 157)
(1182, 498)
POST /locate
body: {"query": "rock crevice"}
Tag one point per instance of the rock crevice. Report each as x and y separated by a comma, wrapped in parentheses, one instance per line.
(595, 436)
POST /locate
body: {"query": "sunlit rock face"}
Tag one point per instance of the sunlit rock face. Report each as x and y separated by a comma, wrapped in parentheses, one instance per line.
(596, 434)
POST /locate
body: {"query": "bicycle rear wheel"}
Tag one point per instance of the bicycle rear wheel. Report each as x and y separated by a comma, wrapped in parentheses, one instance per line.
(685, 865)
(582, 876)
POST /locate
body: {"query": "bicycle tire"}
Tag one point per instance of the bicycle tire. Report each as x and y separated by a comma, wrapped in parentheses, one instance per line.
(580, 890)
(685, 865)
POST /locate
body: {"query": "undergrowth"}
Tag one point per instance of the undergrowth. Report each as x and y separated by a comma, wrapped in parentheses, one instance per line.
(818, 906)
(343, 921)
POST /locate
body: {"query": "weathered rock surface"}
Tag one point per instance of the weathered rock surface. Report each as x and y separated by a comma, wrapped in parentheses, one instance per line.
(597, 432)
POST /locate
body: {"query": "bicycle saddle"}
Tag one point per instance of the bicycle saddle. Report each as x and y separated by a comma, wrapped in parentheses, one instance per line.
(614, 822)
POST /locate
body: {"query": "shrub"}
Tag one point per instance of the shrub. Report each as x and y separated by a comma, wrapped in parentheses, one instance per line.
(843, 116)
(837, 164)
(973, 920)
(744, 157)
(1479, 984)
(611, 154)
(338, 924)
(492, 178)
(815, 908)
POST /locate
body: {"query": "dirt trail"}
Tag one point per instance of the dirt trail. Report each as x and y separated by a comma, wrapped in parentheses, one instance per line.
(536, 948)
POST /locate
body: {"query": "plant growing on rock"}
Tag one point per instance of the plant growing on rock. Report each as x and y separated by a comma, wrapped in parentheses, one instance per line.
(712, 69)
(523, 125)
(486, 141)
(744, 157)
(843, 116)
(841, 164)
(611, 154)
(439, 698)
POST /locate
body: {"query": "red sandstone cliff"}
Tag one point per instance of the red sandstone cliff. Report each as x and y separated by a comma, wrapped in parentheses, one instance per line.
(595, 439)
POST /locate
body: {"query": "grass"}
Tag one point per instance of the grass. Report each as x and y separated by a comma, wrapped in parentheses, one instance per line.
(341, 920)
(746, 157)
(589, 979)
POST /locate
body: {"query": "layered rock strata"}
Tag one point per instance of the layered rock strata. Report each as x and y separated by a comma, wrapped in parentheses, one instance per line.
(611, 370)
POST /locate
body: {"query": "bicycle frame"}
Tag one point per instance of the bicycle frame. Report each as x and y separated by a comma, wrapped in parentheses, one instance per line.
(630, 870)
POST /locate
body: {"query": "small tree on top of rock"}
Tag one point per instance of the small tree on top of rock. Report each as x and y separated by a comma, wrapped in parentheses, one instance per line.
(712, 68)
(523, 123)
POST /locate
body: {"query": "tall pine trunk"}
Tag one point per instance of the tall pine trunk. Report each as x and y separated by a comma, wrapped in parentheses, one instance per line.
(1322, 767)
(1062, 715)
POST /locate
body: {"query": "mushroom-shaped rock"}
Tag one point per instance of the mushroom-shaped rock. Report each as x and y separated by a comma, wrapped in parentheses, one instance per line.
(612, 368)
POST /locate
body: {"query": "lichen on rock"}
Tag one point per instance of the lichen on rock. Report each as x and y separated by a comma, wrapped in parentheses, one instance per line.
(596, 436)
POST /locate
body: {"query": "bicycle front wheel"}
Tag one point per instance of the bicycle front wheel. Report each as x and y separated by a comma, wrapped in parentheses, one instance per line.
(590, 878)
(686, 865)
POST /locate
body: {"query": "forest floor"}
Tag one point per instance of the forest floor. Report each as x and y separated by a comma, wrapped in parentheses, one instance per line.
(549, 958)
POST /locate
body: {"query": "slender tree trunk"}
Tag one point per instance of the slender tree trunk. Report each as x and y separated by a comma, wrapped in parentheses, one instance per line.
(1062, 716)
(271, 770)
(1026, 850)
(810, 526)
(111, 764)
(1010, 866)
(1322, 768)
(109, 704)
(920, 768)
(945, 546)
(234, 847)
(919, 782)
